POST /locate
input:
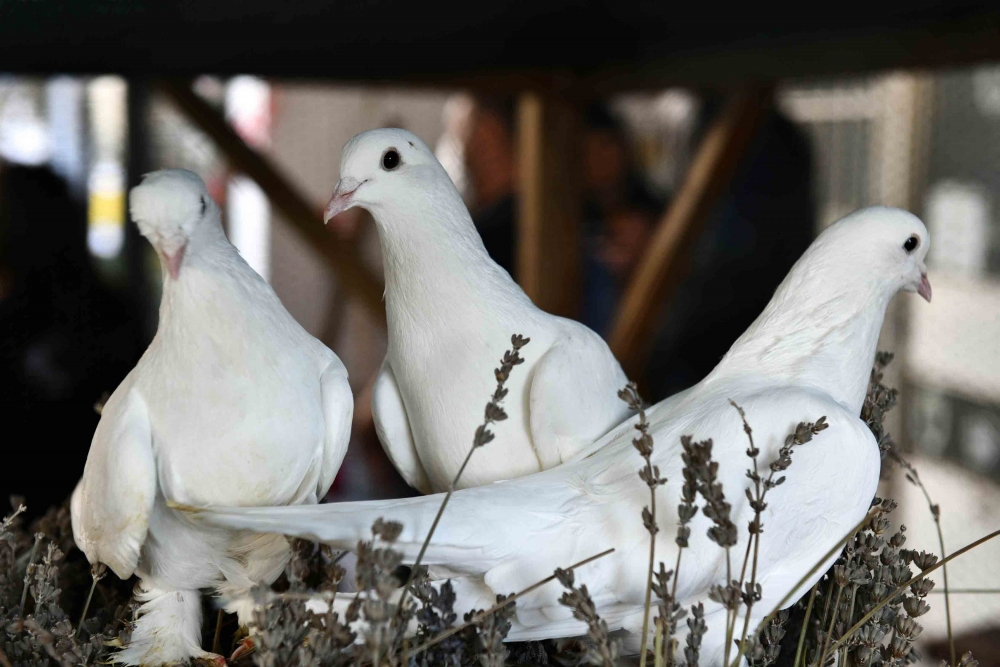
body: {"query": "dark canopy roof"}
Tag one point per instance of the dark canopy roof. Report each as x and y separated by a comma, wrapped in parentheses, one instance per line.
(611, 44)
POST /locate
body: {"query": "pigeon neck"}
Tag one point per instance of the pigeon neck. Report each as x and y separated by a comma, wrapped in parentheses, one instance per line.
(435, 262)
(208, 255)
(821, 329)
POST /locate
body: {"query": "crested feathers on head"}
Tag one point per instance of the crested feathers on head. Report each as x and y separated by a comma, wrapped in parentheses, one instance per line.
(169, 207)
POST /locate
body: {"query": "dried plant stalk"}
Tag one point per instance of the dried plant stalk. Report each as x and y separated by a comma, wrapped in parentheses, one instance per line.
(493, 413)
(913, 477)
(503, 603)
(650, 475)
(603, 649)
(900, 589)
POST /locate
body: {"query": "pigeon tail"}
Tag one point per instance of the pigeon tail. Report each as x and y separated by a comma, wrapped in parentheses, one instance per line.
(343, 525)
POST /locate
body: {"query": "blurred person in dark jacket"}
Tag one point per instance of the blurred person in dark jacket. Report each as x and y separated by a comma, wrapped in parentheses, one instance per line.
(619, 214)
(65, 339)
(758, 229)
(491, 169)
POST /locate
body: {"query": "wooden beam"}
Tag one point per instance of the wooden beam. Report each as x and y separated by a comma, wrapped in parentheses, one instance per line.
(548, 252)
(661, 267)
(943, 42)
(300, 213)
(628, 45)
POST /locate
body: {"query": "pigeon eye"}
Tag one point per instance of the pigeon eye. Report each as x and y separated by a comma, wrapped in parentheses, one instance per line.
(911, 244)
(204, 205)
(391, 159)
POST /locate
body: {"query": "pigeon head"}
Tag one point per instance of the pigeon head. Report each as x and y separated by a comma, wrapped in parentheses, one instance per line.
(379, 166)
(169, 207)
(888, 244)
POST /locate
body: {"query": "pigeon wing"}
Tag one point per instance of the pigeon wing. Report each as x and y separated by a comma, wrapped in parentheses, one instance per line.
(572, 398)
(112, 503)
(393, 429)
(338, 410)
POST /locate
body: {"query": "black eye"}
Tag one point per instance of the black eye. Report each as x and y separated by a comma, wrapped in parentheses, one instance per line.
(390, 160)
(911, 244)
(204, 205)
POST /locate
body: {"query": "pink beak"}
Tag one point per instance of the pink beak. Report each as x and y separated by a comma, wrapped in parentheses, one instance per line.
(343, 198)
(174, 262)
(924, 288)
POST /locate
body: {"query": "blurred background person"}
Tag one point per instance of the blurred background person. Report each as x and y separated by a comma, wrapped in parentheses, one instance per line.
(491, 176)
(620, 212)
(67, 339)
(764, 221)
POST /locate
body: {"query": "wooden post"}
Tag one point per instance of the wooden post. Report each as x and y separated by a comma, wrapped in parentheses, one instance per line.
(303, 216)
(661, 268)
(548, 252)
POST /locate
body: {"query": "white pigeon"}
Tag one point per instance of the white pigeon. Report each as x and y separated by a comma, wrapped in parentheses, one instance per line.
(451, 311)
(808, 355)
(233, 403)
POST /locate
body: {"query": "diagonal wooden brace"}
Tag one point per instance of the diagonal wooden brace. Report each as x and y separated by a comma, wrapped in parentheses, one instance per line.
(304, 218)
(662, 267)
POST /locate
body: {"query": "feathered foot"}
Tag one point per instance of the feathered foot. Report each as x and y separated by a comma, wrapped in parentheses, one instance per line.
(167, 630)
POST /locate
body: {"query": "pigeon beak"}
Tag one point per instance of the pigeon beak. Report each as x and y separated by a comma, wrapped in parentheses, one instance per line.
(924, 288)
(174, 262)
(343, 197)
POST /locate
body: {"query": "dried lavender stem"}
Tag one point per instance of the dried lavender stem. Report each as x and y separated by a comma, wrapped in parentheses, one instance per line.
(757, 493)
(805, 624)
(669, 637)
(754, 540)
(746, 560)
(850, 615)
(28, 571)
(944, 575)
(658, 660)
(826, 608)
(649, 579)
(902, 587)
(517, 342)
(753, 581)
(815, 568)
(434, 525)
(96, 574)
(936, 514)
(829, 629)
(854, 595)
(500, 605)
(729, 624)
(427, 541)
(650, 475)
(755, 543)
